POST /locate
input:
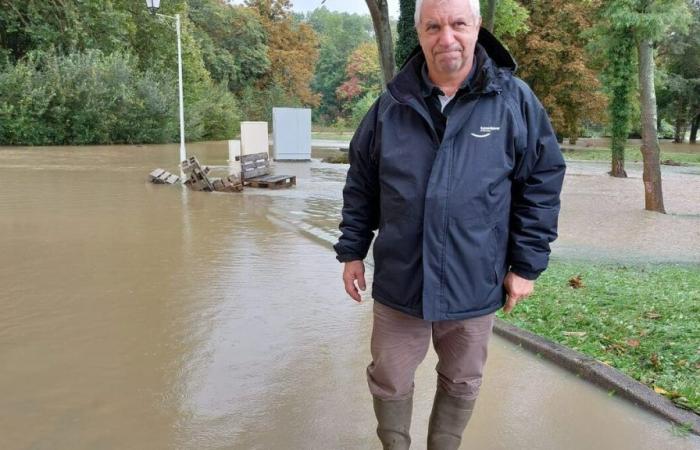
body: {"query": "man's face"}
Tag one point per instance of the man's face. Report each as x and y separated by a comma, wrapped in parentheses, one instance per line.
(447, 33)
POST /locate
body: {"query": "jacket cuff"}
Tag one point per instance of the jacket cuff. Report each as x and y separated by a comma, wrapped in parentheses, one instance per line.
(528, 275)
(347, 257)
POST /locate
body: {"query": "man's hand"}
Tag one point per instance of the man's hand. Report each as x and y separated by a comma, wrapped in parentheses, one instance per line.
(354, 270)
(517, 288)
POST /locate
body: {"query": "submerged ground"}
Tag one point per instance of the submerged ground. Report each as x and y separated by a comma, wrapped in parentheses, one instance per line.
(141, 316)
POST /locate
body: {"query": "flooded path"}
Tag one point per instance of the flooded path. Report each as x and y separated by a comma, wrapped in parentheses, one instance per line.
(149, 317)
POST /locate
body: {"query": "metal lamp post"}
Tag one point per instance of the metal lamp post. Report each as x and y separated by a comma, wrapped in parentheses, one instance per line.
(153, 6)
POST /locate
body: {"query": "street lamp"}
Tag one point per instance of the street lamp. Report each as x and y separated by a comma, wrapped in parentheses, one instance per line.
(153, 6)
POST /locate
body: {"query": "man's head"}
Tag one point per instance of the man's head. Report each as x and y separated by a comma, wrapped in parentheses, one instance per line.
(447, 32)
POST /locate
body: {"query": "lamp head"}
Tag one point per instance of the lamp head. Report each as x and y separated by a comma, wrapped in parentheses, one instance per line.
(153, 5)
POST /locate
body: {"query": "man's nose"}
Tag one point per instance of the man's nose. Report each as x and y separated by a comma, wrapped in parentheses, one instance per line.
(446, 37)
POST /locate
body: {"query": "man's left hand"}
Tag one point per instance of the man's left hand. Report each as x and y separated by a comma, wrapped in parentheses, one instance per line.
(517, 289)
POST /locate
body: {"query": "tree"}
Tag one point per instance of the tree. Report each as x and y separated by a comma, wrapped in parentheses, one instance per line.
(233, 42)
(679, 97)
(339, 34)
(555, 64)
(363, 81)
(621, 84)
(643, 23)
(490, 16)
(407, 38)
(363, 73)
(379, 10)
(292, 51)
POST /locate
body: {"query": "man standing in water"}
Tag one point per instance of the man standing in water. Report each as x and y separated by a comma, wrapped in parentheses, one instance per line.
(457, 167)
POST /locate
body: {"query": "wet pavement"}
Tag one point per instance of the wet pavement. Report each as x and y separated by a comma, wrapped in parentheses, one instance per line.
(141, 316)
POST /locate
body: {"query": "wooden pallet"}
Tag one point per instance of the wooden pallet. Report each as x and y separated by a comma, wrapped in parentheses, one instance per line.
(160, 176)
(272, 182)
(255, 165)
(196, 175)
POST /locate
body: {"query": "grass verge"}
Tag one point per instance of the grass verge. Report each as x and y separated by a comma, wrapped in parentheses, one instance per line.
(642, 320)
(632, 154)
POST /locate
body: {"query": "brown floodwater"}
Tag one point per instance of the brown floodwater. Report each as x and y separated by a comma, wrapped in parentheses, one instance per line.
(135, 316)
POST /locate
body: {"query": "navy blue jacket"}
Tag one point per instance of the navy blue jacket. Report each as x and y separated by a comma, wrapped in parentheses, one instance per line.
(453, 216)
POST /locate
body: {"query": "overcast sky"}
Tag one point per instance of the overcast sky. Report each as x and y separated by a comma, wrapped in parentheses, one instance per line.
(351, 6)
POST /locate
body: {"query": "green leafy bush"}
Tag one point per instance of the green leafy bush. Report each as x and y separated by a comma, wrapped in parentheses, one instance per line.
(92, 98)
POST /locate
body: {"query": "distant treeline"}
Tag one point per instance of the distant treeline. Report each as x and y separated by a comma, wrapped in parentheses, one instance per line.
(103, 72)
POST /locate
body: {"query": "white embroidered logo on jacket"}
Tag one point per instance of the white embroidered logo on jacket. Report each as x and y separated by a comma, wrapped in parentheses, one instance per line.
(485, 132)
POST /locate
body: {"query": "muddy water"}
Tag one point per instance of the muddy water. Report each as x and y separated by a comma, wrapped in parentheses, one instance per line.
(135, 316)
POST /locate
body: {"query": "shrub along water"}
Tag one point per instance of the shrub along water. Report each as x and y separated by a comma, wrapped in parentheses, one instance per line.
(92, 98)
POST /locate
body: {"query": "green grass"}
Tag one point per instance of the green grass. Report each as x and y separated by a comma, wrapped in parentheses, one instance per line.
(631, 154)
(333, 134)
(642, 320)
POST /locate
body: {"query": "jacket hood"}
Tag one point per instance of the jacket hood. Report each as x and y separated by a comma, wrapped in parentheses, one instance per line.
(492, 56)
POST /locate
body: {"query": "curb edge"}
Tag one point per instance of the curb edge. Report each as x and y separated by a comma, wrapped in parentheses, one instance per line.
(598, 373)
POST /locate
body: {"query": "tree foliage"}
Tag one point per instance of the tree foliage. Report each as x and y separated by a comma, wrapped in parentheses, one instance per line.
(292, 48)
(407, 38)
(679, 91)
(339, 34)
(554, 62)
(363, 82)
(254, 56)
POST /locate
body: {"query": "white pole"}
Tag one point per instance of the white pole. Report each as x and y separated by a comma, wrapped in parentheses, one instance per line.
(183, 153)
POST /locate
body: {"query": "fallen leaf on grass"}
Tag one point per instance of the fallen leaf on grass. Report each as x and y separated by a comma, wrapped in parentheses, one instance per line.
(634, 343)
(576, 282)
(654, 359)
(574, 333)
(616, 348)
(673, 395)
(661, 391)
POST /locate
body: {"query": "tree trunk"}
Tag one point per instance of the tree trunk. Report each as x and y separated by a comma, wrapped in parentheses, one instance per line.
(379, 10)
(694, 129)
(621, 72)
(653, 195)
(490, 19)
(681, 124)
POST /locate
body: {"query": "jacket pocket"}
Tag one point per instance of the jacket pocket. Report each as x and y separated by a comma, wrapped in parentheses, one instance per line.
(469, 267)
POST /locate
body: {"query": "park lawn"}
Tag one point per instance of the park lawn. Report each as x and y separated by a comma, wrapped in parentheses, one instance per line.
(644, 320)
(631, 154)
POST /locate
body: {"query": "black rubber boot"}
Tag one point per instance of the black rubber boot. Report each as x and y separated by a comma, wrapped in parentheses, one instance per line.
(448, 420)
(394, 422)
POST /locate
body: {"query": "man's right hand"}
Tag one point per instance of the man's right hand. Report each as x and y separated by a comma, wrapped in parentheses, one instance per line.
(354, 270)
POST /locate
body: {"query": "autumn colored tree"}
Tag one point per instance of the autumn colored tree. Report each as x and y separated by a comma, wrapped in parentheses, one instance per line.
(554, 62)
(363, 81)
(292, 51)
(363, 73)
(339, 35)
